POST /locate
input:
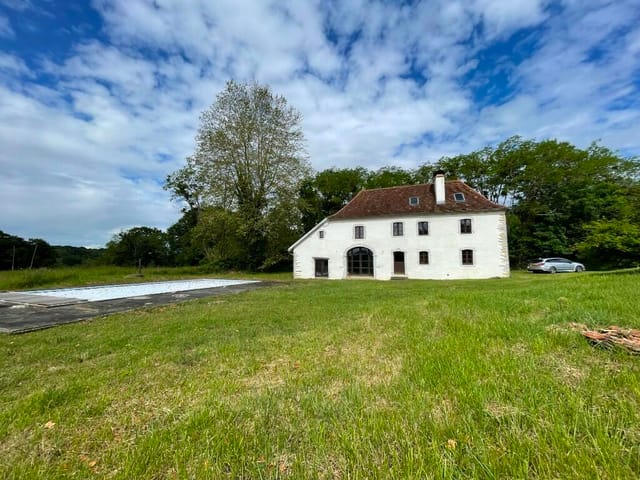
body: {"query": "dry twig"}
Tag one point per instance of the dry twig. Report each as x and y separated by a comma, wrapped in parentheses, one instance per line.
(613, 336)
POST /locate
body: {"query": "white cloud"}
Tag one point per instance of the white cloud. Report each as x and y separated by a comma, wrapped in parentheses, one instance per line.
(5, 27)
(12, 65)
(502, 18)
(576, 77)
(19, 5)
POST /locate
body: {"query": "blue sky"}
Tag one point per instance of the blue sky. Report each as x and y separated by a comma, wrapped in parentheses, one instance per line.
(99, 100)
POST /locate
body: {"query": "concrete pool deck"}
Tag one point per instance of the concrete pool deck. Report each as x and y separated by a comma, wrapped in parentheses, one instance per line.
(33, 313)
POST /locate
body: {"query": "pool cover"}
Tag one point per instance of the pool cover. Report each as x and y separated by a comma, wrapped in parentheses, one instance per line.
(110, 292)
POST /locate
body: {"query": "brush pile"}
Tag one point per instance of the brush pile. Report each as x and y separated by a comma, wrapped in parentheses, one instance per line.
(613, 336)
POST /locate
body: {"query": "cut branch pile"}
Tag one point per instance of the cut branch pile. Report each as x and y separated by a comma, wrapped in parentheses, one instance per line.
(613, 336)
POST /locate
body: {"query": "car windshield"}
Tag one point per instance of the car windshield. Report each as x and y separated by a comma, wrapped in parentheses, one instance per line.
(538, 260)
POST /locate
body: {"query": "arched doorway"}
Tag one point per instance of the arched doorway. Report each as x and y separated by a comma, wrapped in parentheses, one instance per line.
(360, 261)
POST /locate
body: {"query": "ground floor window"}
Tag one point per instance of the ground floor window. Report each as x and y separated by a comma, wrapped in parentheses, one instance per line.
(322, 267)
(467, 257)
(360, 261)
(424, 258)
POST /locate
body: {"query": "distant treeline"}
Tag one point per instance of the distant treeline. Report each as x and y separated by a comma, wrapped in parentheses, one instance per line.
(17, 253)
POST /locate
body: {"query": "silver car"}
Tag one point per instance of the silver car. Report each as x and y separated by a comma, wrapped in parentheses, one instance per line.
(554, 265)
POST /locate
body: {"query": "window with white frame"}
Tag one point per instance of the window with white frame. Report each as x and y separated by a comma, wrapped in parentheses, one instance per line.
(398, 229)
(358, 232)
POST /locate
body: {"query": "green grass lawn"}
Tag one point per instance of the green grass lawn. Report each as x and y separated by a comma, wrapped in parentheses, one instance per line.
(334, 379)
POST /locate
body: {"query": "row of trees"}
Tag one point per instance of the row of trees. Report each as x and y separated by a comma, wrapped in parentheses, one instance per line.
(139, 246)
(16, 253)
(249, 192)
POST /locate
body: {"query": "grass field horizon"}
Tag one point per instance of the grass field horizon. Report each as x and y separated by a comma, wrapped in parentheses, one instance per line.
(334, 379)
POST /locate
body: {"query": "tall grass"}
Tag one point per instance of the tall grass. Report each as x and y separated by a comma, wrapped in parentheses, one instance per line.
(333, 379)
(75, 276)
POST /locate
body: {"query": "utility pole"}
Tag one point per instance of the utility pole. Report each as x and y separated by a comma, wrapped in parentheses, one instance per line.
(13, 258)
(33, 256)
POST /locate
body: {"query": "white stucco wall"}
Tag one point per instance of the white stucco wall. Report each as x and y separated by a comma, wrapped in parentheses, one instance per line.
(444, 244)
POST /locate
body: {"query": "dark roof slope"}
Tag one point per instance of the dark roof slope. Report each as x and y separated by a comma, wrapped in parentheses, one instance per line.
(395, 201)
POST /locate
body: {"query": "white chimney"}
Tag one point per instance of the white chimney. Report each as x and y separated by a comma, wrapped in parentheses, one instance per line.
(438, 184)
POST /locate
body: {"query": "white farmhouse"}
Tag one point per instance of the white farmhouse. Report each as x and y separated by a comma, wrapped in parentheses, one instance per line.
(440, 230)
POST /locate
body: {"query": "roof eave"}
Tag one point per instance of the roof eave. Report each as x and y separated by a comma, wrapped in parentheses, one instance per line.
(398, 214)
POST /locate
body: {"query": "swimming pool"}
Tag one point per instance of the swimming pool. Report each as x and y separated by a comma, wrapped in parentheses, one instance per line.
(110, 292)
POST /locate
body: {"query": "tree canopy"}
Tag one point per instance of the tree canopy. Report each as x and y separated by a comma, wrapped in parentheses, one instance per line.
(249, 192)
(249, 161)
(18, 253)
(138, 246)
(559, 195)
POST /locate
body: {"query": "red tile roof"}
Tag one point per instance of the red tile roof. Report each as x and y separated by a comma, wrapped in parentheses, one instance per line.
(395, 201)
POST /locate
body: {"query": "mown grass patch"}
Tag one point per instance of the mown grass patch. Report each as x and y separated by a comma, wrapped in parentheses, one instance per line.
(324, 379)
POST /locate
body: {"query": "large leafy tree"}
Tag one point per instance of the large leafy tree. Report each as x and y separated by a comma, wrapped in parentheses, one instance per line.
(611, 244)
(138, 246)
(389, 177)
(183, 249)
(328, 191)
(249, 162)
(492, 171)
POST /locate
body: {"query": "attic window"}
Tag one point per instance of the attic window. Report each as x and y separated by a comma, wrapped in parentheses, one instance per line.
(413, 201)
(458, 197)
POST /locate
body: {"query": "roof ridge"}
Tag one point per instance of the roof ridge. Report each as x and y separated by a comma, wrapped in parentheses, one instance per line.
(395, 186)
(410, 185)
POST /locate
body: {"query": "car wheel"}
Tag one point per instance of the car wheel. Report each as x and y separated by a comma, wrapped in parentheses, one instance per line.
(553, 270)
(579, 269)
